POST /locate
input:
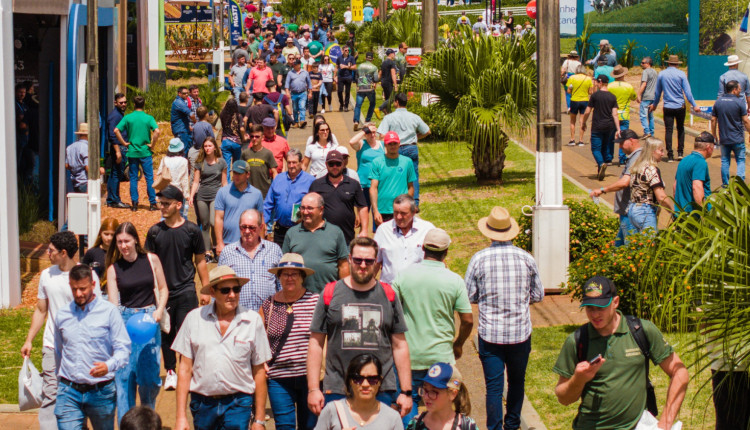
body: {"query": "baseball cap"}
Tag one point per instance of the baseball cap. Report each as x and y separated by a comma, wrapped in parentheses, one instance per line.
(369, 55)
(344, 152)
(443, 375)
(705, 137)
(391, 136)
(603, 79)
(334, 155)
(171, 192)
(389, 51)
(436, 239)
(626, 134)
(240, 166)
(268, 122)
(598, 291)
(289, 39)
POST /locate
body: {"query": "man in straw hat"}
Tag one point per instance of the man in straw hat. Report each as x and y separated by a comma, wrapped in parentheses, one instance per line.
(368, 12)
(77, 159)
(733, 74)
(674, 84)
(503, 280)
(624, 93)
(224, 348)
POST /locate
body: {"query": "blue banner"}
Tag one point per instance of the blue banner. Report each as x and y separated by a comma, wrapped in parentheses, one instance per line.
(235, 26)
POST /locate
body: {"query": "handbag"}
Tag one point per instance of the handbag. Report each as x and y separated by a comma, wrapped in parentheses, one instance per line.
(29, 386)
(165, 322)
(163, 179)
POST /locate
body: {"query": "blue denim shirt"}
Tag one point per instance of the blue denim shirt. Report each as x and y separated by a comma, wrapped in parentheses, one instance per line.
(298, 82)
(283, 195)
(180, 117)
(734, 75)
(673, 82)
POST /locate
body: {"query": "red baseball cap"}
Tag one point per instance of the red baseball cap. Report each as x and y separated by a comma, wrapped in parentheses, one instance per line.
(391, 136)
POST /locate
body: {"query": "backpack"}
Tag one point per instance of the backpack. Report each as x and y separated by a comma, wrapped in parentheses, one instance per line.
(283, 116)
(331, 287)
(581, 337)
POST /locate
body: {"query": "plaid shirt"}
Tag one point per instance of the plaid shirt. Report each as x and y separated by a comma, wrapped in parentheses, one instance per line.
(503, 280)
(262, 283)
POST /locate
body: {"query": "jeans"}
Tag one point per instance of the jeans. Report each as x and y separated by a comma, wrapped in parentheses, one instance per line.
(369, 95)
(647, 118)
(314, 105)
(47, 419)
(289, 403)
(417, 376)
(299, 103)
(116, 175)
(236, 91)
(670, 116)
(412, 152)
(344, 90)
(642, 216)
(142, 371)
(387, 91)
(626, 227)
(228, 413)
(148, 171)
(329, 90)
(496, 359)
(726, 157)
(621, 157)
(231, 151)
(602, 146)
(177, 308)
(73, 407)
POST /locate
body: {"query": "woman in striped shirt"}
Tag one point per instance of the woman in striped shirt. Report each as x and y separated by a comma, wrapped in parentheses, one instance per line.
(287, 316)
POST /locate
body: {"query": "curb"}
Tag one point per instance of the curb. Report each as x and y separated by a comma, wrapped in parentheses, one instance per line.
(10, 408)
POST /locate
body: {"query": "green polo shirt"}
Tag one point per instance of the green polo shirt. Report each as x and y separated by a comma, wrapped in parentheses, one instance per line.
(616, 397)
(430, 294)
(321, 250)
(139, 125)
(394, 176)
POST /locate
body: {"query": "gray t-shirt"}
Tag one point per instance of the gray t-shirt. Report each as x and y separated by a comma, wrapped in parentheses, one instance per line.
(622, 197)
(238, 73)
(357, 322)
(649, 77)
(210, 179)
(387, 419)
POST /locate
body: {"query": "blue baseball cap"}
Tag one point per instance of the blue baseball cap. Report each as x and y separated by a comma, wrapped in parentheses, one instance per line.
(443, 375)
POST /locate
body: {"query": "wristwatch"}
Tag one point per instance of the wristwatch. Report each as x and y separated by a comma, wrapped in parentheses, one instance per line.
(261, 422)
(407, 393)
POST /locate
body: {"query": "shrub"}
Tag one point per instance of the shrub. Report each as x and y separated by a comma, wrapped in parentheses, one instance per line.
(433, 115)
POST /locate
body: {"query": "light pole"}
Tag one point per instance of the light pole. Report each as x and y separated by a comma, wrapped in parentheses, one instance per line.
(551, 223)
(92, 107)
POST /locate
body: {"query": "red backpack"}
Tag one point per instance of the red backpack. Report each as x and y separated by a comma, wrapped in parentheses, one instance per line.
(331, 287)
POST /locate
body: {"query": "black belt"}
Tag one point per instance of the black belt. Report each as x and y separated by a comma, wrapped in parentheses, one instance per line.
(216, 397)
(85, 388)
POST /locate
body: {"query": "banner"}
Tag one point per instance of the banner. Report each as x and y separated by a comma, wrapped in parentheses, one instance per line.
(186, 27)
(568, 11)
(357, 7)
(235, 24)
(636, 16)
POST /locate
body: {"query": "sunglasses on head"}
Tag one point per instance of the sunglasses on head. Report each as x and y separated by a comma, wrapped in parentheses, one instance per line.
(358, 261)
(372, 380)
(225, 290)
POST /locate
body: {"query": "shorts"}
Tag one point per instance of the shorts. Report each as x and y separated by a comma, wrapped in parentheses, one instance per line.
(578, 107)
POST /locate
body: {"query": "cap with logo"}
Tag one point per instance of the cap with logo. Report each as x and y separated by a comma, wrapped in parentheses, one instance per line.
(598, 291)
(334, 155)
(390, 137)
(443, 375)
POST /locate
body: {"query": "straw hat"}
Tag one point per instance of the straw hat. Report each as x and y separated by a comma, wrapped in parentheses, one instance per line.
(83, 128)
(673, 59)
(291, 260)
(619, 71)
(220, 274)
(499, 225)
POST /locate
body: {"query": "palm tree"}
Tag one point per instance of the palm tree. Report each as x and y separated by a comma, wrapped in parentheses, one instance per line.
(404, 25)
(299, 10)
(487, 88)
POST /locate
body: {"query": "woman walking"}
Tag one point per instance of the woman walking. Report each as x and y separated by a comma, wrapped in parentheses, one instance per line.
(315, 153)
(647, 187)
(367, 148)
(96, 256)
(212, 175)
(232, 132)
(328, 71)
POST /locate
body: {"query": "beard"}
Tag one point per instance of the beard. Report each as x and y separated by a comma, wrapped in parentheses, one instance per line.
(362, 279)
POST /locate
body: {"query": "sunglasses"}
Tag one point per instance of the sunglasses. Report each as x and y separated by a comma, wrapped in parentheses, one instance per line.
(334, 164)
(324, 129)
(225, 290)
(249, 227)
(358, 261)
(372, 380)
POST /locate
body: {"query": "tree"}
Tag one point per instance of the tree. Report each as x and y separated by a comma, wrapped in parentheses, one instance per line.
(404, 25)
(487, 87)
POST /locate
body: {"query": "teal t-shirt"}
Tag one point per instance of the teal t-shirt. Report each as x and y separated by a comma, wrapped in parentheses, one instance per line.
(604, 70)
(365, 157)
(321, 249)
(139, 125)
(394, 176)
(691, 168)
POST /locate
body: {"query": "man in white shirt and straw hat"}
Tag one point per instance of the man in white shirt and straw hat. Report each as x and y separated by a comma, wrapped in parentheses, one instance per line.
(734, 74)
(503, 280)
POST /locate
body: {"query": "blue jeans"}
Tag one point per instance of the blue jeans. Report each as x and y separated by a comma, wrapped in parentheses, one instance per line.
(621, 157)
(289, 403)
(642, 216)
(602, 146)
(231, 151)
(647, 118)
(567, 96)
(228, 413)
(626, 227)
(116, 175)
(496, 359)
(299, 104)
(148, 171)
(73, 407)
(412, 151)
(369, 95)
(142, 372)
(417, 376)
(726, 158)
(236, 91)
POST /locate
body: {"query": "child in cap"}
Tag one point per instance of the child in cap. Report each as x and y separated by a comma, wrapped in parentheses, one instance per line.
(447, 401)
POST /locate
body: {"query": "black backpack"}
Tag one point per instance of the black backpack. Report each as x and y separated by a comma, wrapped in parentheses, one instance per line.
(581, 337)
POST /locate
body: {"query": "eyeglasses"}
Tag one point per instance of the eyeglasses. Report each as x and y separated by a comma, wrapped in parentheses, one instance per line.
(372, 380)
(291, 274)
(225, 290)
(324, 129)
(428, 394)
(308, 208)
(335, 164)
(249, 227)
(358, 261)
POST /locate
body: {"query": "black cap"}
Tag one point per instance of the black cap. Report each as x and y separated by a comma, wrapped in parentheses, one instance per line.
(705, 137)
(171, 192)
(625, 135)
(389, 51)
(369, 55)
(603, 79)
(598, 291)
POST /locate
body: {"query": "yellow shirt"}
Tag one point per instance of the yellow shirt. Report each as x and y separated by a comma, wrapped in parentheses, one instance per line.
(580, 85)
(624, 93)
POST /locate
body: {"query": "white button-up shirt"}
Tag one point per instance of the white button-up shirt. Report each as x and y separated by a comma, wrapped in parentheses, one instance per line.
(397, 250)
(222, 364)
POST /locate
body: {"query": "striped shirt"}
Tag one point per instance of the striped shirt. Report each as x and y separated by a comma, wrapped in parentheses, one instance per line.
(504, 281)
(262, 283)
(289, 334)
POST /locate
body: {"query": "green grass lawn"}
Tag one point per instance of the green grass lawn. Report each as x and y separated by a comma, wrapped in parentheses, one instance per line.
(659, 16)
(697, 410)
(567, 44)
(14, 324)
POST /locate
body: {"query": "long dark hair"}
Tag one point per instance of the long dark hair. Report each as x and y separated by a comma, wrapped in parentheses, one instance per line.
(108, 223)
(316, 128)
(356, 365)
(229, 114)
(113, 254)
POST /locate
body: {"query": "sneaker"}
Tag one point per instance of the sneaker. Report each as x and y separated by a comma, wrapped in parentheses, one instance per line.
(322, 111)
(679, 157)
(152, 207)
(303, 124)
(134, 208)
(580, 143)
(170, 382)
(356, 126)
(346, 108)
(670, 160)
(602, 171)
(572, 143)
(341, 108)
(378, 113)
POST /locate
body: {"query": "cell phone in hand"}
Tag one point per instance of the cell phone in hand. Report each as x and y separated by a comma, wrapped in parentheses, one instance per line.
(596, 360)
(367, 130)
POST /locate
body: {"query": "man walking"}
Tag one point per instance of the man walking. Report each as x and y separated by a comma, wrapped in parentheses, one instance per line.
(730, 115)
(624, 93)
(388, 80)
(347, 66)
(298, 88)
(285, 195)
(116, 155)
(258, 76)
(692, 184)
(77, 159)
(237, 76)
(91, 344)
(604, 125)
(390, 176)
(674, 84)
(179, 245)
(366, 76)
(319, 242)
(503, 280)
(181, 117)
(410, 127)
(341, 195)
(645, 96)
(430, 294)
(224, 348)
(260, 160)
(231, 201)
(733, 74)
(142, 132)
(610, 336)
